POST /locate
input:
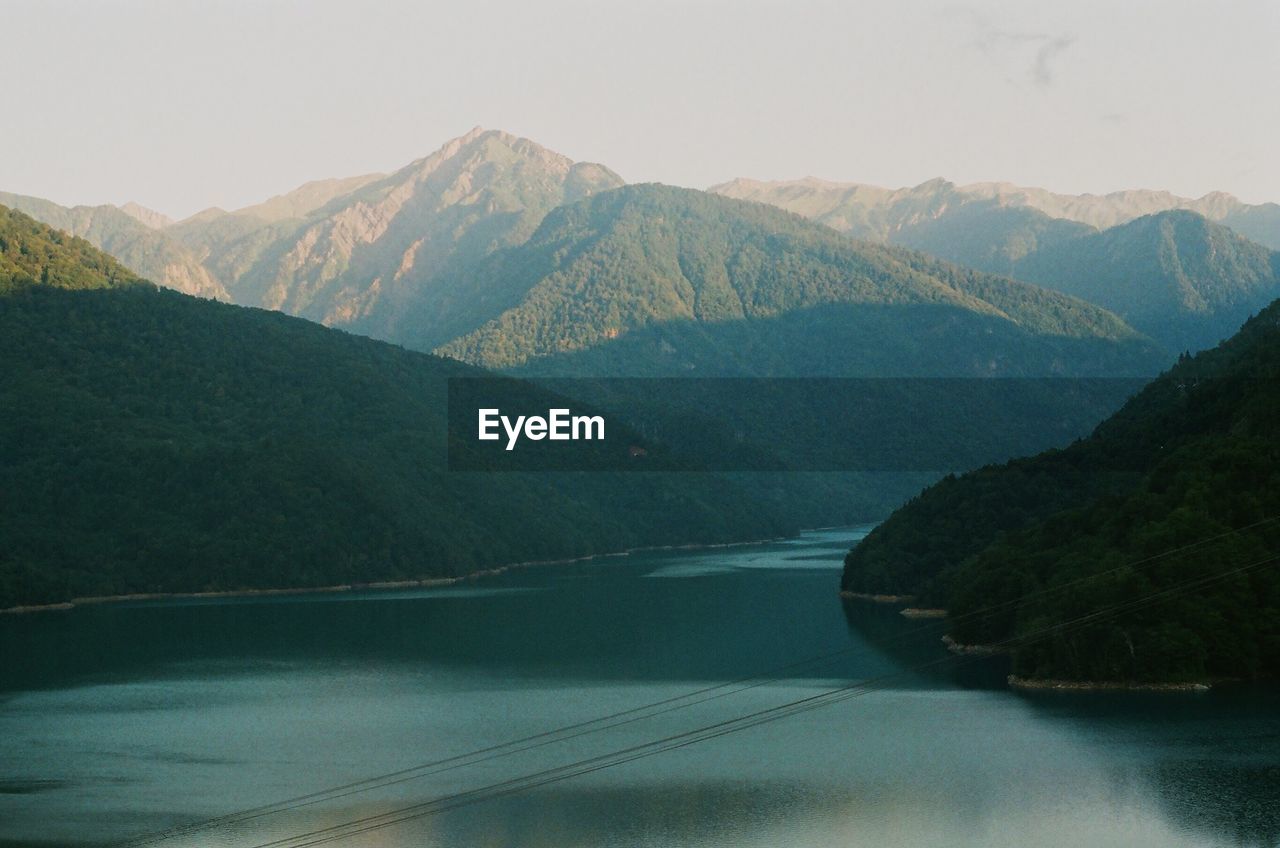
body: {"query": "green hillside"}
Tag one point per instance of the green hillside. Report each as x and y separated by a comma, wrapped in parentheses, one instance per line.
(150, 442)
(1176, 276)
(1189, 465)
(149, 252)
(688, 281)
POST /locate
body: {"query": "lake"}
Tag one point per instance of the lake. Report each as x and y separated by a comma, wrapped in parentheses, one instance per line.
(122, 719)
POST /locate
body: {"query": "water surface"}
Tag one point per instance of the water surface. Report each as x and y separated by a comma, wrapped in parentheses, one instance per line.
(118, 720)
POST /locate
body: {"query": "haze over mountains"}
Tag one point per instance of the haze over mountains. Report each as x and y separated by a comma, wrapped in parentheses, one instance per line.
(1168, 265)
(876, 213)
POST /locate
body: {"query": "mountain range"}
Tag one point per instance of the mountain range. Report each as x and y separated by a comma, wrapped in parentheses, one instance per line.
(401, 256)
(496, 252)
(152, 441)
(1182, 271)
(881, 214)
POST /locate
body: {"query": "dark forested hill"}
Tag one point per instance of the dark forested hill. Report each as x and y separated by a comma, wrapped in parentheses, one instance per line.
(1181, 485)
(150, 441)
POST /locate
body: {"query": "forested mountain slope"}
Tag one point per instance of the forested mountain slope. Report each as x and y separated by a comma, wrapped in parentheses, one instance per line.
(652, 279)
(1182, 484)
(153, 442)
(147, 250)
(1183, 280)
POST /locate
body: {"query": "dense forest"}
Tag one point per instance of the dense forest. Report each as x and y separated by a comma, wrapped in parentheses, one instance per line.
(1181, 485)
(151, 442)
(711, 284)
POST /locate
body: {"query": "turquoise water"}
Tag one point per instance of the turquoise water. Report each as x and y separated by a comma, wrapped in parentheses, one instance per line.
(122, 719)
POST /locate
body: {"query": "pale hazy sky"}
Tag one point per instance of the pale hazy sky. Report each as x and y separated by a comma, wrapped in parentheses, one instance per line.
(181, 105)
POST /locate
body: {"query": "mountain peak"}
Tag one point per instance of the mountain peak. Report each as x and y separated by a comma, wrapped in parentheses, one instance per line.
(148, 217)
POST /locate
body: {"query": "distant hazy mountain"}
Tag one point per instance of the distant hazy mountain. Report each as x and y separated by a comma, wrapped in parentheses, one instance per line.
(989, 237)
(881, 214)
(1259, 222)
(657, 280)
(1181, 279)
(154, 442)
(150, 217)
(303, 200)
(148, 251)
(1175, 275)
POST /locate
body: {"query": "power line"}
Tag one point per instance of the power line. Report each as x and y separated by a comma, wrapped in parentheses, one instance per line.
(525, 783)
(634, 714)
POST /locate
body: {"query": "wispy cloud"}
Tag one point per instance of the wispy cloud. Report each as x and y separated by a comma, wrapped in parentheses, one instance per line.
(1042, 70)
(1035, 52)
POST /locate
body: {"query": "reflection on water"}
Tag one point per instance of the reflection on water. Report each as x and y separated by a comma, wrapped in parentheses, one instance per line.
(116, 720)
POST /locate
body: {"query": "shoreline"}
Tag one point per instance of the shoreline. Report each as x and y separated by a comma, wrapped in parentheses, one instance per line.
(388, 585)
(922, 612)
(1025, 684)
(877, 599)
(972, 650)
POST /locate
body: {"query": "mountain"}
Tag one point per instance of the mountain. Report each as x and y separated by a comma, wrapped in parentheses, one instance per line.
(33, 254)
(1260, 222)
(862, 211)
(129, 240)
(1176, 276)
(881, 214)
(358, 252)
(653, 280)
(155, 442)
(305, 199)
(1175, 497)
(147, 217)
(366, 259)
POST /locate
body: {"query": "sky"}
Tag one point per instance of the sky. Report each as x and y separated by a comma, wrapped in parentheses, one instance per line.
(185, 104)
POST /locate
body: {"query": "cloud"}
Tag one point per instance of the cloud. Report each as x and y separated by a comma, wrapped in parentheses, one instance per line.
(1034, 52)
(1042, 71)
